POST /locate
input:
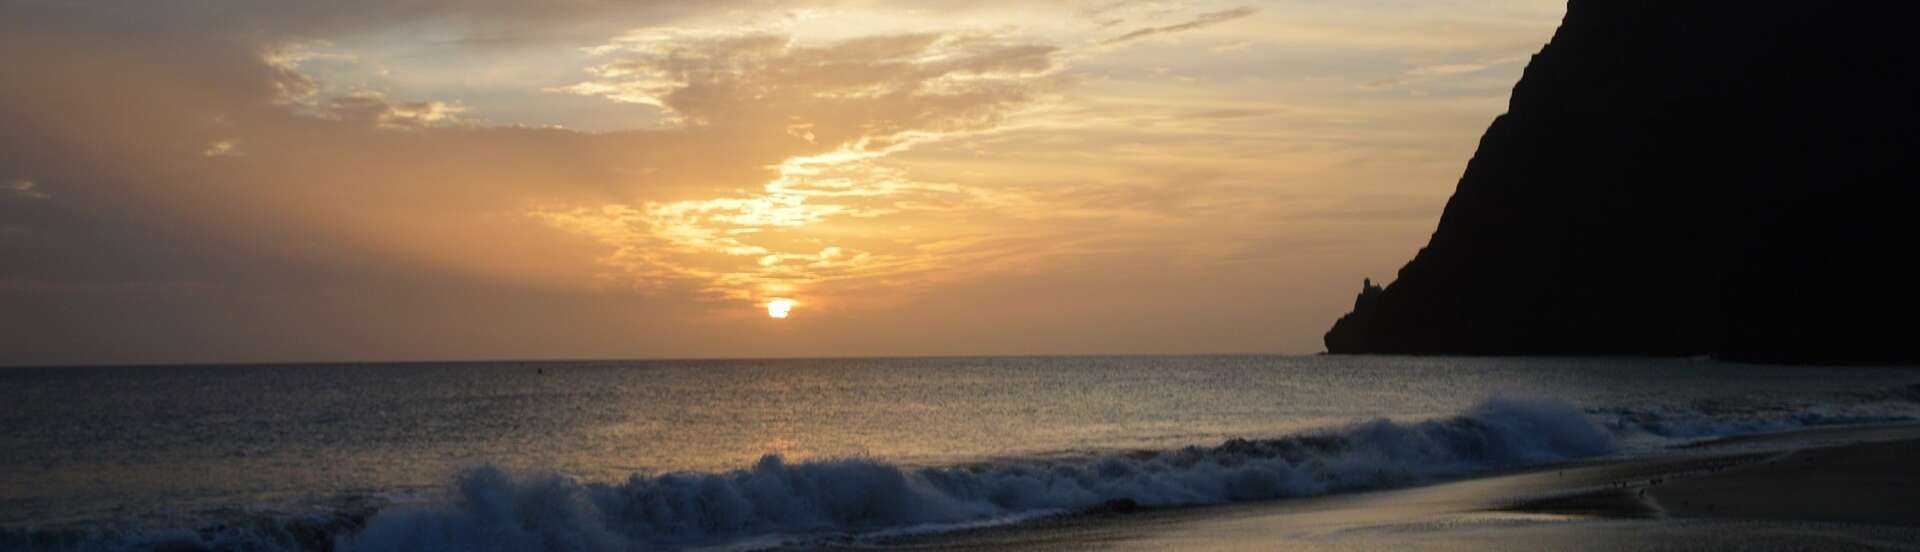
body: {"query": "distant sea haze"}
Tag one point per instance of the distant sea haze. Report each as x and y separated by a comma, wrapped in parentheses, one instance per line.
(667, 454)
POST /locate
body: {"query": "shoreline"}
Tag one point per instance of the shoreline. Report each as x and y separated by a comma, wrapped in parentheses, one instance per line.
(1875, 483)
(1811, 475)
(1852, 487)
(1871, 479)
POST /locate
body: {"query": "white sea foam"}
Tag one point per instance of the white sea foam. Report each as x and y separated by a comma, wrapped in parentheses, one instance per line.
(847, 498)
(776, 502)
(1641, 429)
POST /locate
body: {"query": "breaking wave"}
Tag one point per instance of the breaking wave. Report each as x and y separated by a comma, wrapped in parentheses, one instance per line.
(779, 502)
(1674, 425)
(849, 497)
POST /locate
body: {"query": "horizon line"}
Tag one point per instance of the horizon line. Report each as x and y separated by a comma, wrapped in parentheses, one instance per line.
(238, 363)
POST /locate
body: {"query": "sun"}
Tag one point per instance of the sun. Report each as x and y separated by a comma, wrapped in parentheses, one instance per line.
(779, 308)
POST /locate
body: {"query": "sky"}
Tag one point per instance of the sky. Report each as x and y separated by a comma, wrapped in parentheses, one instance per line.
(366, 180)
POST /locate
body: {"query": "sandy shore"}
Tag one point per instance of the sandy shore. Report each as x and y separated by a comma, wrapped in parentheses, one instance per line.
(1843, 489)
(1876, 483)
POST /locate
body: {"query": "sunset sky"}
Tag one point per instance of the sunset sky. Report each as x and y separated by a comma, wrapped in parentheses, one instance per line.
(242, 180)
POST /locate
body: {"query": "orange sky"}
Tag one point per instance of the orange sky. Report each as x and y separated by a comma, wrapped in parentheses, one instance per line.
(188, 181)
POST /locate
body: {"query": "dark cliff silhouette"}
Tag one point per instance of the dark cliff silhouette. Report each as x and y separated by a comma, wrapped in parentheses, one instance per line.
(1694, 177)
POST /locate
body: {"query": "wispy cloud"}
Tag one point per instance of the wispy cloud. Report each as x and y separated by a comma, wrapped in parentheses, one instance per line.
(1201, 21)
(915, 173)
(1442, 70)
(25, 189)
(860, 99)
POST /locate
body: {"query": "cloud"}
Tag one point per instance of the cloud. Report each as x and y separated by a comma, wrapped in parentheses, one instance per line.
(1437, 71)
(1448, 69)
(23, 189)
(332, 227)
(1203, 20)
(769, 181)
(223, 148)
(853, 102)
(269, 21)
(373, 108)
(870, 93)
(276, 179)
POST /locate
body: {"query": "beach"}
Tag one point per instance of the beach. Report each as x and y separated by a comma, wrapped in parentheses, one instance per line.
(1203, 452)
(1830, 489)
(607, 276)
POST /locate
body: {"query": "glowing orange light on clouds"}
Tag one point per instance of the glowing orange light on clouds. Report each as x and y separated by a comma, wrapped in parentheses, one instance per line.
(779, 307)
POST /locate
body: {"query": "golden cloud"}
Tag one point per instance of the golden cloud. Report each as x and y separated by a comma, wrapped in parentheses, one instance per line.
(857, 101)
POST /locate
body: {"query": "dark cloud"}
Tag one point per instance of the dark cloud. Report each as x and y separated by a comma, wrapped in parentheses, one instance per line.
(185, 207)
(268, 21)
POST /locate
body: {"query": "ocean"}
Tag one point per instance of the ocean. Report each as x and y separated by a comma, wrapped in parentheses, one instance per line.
(668, 454)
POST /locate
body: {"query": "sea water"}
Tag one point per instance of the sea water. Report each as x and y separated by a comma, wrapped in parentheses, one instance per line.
(621, 455)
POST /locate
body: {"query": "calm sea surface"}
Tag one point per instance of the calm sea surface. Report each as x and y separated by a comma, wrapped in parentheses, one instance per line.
(164, 444)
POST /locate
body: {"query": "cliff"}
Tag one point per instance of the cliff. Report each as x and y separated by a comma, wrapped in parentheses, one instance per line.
(1733, 178)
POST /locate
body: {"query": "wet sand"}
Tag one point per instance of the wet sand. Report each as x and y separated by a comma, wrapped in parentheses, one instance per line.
(1876, 483)
(1839, 489)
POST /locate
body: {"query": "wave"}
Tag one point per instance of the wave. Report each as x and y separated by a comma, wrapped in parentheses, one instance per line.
(779, 502)
(1669, 425)
(849, 497)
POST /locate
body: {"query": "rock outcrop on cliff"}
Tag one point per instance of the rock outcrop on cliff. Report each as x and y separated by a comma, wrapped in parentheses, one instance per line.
(1733, 178)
